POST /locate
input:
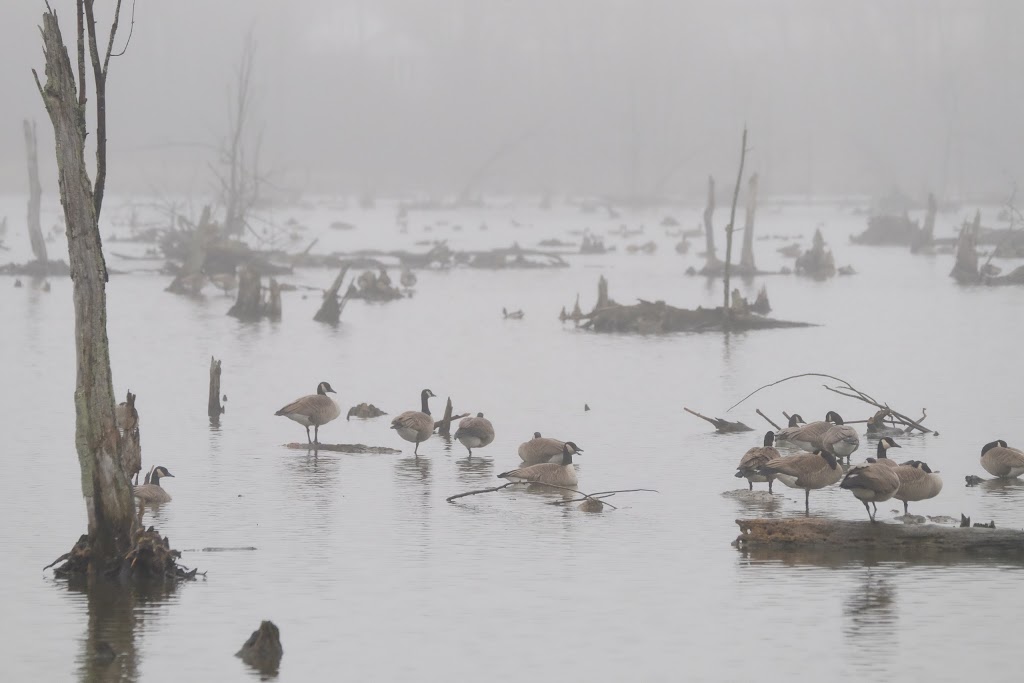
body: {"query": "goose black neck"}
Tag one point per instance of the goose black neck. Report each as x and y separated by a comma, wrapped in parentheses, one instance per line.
(423, 403)
(881, 450)
(154, 478)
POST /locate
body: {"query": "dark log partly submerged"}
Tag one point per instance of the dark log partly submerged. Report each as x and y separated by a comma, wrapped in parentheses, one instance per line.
(863, 537)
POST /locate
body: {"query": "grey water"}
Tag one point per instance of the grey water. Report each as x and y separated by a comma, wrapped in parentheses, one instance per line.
(371, 575)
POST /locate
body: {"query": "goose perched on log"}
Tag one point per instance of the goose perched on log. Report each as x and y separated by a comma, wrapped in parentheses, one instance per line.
(871, 482)
(755, 458)
(917, 482)
(544, 449)
(808, 437)
(152, 491)
(1001, 461)
(475, 432)
(805, 471)
(794, 425)
(841, 439)
(313, 410)
(416, 426)
(556, 474)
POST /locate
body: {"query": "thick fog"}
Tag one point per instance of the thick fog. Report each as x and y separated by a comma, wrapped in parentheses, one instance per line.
(601, 96)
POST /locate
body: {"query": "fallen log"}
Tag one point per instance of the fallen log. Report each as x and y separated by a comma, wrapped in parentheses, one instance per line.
(722, 426)
(917, 540)
(356, 448)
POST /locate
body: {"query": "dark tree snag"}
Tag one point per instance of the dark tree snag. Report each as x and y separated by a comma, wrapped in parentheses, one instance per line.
(722, 426)
(105, 484)
(331, 308)
(35, 193)
(263, 649)
(253, 302)
(126, 417)
(444, 425)
(863, 536)
(213, 407)
(965, 270)
(747, 264)
(190, 279)
(926, 236)
(602, 293)
(732, 221)
(711, 260)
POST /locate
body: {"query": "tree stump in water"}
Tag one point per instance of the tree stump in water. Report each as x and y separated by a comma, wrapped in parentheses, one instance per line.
(213, 407)
(263, 649)
(253, 302)
(965, 270)
(818, 262)
(330, 310)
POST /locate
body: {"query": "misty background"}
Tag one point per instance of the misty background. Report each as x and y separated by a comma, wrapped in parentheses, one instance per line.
(584, 96)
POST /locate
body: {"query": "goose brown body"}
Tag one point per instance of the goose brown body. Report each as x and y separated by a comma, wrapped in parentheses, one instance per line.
(917, 482)
(541, 449)
(1001, 461)
(153, 492)
(809, 436)
(795, 422)
(475, 432)
(841, 439)
(871, 482)
(313, 410)
(805, 471)
(558, 474)
(416, 426)
(756, 458)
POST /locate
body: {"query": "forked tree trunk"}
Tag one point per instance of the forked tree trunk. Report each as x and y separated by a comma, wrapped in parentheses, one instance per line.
(105, 486)
(747, 264)
(35, 193)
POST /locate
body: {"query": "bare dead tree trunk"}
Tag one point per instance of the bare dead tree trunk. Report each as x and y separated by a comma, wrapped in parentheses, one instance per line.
(331, 308)
(709, 228)
(105, 484)
(732, 219)
(35, 193)
(444, 426)
(602, 293)
(190, 279)
(239, 185)
(213, 406)
(747, 264)
(965, 270)
(251, 304)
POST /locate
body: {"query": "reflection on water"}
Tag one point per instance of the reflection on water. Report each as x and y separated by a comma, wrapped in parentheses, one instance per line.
(870, 615)
(476, 470)
(116, 613)
(413, 468)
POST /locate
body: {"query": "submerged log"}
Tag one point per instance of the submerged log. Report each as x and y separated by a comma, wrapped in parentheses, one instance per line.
(263, 649)
(342, 448)
(864, 536)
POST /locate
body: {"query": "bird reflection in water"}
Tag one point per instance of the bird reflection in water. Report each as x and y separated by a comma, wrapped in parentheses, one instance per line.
(475, 470)
(109, 651)
(869, 621)
(417, 469)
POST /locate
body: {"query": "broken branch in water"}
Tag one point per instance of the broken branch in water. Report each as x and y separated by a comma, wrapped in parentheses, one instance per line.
(478, 491)
(721, 425)
(586, 496)
(856, 394)
(777, 427)
(599, 496)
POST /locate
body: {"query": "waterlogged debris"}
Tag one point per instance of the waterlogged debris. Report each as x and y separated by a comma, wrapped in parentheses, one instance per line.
(356, 448)
(263, 649)
(364, 411)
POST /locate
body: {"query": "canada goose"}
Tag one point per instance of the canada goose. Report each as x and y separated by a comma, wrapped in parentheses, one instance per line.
(514, 315)
(805, 471)
(755, 458)
(841, 440)
(1001, 461)
(917, 482)
(884, 445)
(316, 409)
(794, 425)
(556, 474)
(872, 483)
(809, 436)
(152, 492)
(544, 449)
(475, 432)
(416, 425)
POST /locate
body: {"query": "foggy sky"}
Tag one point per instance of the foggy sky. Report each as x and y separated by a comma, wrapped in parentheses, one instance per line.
(600, 96)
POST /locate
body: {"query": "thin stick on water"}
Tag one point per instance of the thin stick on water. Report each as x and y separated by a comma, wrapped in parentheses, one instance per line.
(478, 491)
(777, 427)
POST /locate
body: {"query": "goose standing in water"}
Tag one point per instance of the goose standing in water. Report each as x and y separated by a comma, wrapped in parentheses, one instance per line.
(313, 410)
(881, 456)
(544, 449)
(871, 482)
(152, 492)
(805, 471)
(841, 439)
(808, 437)
(475, 432)
(556, 474)
(416, 426)
(757, 457)
(1001, 461)
(794, 425)
(917, 482)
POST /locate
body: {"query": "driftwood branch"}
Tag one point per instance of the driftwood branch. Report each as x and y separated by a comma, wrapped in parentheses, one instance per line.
(356, 448)
(479, 491)
(777, 427)
(586, 496)
(720, 424)
(600, 495)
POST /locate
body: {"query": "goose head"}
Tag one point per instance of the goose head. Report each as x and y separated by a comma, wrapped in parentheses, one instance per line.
(998, 443)
(479, 414)
(769, 438)
(536, 435)
(426, 393)
(885, 444)
(833, 417)
(828, 457)
(158, 473)
(324, 388)
(795, 420)
(568, 450)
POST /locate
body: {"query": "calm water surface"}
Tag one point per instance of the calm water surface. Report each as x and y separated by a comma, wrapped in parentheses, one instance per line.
(370, 574)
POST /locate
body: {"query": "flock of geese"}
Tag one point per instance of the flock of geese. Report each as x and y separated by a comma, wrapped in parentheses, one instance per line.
(545, 460)
(823, 444)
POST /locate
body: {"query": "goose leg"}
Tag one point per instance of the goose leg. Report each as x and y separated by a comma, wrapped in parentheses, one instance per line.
(750, 485)
(316, 433)
(770, 486)
(870, 516)
(416, 450)
(308, 440)
(874, 507)
(807, 501)
(905, 513)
